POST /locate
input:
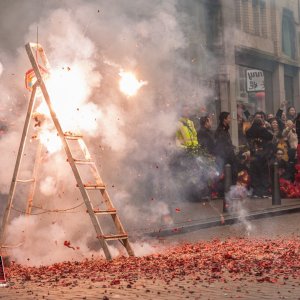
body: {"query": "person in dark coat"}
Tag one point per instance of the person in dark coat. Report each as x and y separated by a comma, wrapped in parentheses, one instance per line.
(297, 125)
(205, 135)
(279, 116)
(284, 170)
(224, 149)
(260, 141)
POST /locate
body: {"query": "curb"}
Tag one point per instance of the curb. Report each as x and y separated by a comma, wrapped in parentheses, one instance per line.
(228, 220)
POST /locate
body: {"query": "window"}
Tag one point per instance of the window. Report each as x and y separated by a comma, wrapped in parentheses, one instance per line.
(238, 14)
(289, 89)
(213, 26)
(288, 33)
(259, 18)
(245, 15)
(263, 18)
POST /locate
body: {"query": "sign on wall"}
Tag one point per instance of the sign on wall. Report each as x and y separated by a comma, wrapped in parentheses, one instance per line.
(255, 80)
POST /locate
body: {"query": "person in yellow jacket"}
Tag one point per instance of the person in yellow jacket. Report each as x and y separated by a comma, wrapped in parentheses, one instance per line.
(186, 134)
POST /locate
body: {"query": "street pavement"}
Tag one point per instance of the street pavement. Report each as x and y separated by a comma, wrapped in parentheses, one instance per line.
(286, 226)
(147, 289)
(185, 217)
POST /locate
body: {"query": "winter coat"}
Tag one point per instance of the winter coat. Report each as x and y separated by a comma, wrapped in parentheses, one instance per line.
(206, 139)
(281, 124)
(186, 135)
(291, 137)
(259, 140)
(298, 130)
(223, 144)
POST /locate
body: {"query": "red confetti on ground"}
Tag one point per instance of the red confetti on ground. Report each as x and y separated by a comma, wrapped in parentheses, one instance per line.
(241, 259)
(177, 209)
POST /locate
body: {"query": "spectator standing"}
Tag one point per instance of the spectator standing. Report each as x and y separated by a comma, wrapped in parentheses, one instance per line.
(205, 135)
(186, 135)
(259, 140)
(184, 162)
(289, 133)
(224, 149)
(297, 124)
(291, 113)
(275, 130)
(283, 166)
(281, 117)
(262, 115)
(243, 123)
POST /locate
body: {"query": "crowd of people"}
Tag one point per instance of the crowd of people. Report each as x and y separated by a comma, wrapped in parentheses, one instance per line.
(263, 140)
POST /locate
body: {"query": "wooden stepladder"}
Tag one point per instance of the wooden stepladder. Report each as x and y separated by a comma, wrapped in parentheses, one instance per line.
(33, 50)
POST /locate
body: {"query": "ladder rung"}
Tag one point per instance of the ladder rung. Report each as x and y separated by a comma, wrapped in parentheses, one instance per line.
(111, 211)
(111, 237)
(82, 161)
(25, 180)
(70, 136)
(93, 186)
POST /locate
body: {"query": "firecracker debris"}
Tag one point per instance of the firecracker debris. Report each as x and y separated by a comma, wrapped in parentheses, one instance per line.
(259, 260)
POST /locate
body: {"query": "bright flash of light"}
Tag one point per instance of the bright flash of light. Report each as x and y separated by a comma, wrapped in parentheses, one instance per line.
(68, 89)
(129, 84)
(51, 140)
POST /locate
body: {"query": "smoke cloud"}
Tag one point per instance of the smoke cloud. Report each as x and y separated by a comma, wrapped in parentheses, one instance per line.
(236, 198)
(132, 139)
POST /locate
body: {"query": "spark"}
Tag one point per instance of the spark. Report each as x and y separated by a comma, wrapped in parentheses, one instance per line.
(129, 84)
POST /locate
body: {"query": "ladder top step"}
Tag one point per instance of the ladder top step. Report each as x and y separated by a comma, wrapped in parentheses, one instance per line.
(94, 186)
(111, 237)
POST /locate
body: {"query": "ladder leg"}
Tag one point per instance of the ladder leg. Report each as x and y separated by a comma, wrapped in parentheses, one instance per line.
(105, 249)
(17, 166)
(34, 176)
(128, 247)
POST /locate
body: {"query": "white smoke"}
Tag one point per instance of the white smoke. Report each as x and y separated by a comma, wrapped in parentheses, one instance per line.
(33, 244)
(48, 186)
(131, 139)
(235, 199)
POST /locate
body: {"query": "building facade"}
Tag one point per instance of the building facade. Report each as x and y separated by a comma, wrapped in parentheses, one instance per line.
(256, 43)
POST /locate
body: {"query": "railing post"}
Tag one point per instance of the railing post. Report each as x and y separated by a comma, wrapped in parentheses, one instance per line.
(227, 184)
(276, 199)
